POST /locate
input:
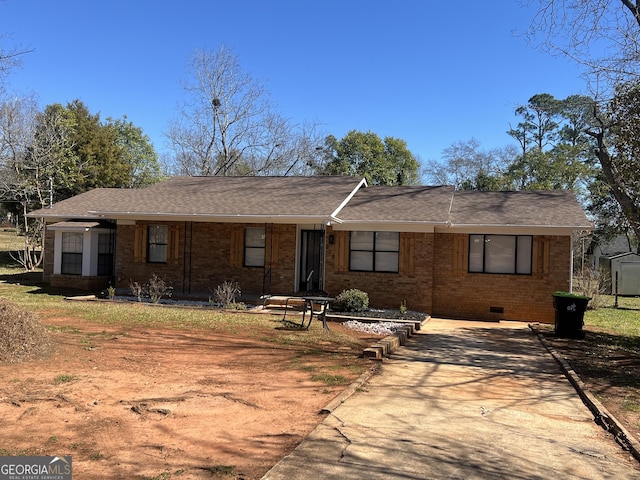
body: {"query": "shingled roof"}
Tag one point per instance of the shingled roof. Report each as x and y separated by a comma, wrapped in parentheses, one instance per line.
(529, 208)
(319, 199)
(399, 204)
(313, 198)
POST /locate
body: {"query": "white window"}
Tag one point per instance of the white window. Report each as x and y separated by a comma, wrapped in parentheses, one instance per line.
(254, 247)
(71, 253)
(158, 239)
(509, 254)
(374, 251)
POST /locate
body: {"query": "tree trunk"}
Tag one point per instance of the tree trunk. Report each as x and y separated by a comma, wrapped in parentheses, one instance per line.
(630, 210)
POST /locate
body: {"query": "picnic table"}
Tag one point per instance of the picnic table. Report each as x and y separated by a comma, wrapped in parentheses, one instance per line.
(312, 305)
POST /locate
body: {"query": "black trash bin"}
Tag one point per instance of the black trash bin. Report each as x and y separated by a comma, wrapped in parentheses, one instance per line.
(570, 310)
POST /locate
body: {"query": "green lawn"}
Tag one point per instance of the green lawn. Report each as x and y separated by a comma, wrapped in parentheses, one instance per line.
(27, 290)
(624, 320)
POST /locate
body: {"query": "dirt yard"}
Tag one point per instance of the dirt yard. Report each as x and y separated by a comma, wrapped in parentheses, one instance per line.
(609, 368)
(168, 404)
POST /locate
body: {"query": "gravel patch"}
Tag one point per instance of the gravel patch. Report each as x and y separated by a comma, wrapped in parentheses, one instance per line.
(375, 328)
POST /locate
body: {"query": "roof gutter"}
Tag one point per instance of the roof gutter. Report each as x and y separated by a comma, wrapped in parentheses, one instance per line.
(237, 218)
(515, 225)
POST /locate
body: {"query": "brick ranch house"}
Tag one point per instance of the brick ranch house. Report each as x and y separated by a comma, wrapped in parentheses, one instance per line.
(468, 254)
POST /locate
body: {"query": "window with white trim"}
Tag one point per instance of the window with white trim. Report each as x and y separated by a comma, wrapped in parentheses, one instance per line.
(254, 247)
(374, 251)
(510, 254)
(158, 236)
(71, 253)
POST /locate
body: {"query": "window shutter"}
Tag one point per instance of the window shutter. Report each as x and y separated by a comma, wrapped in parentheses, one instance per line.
(140, 243)
(407, 253)
(271, 245)
(173, 247)
(236, 247)
(342, 251)
(541, 253)
(460, 254)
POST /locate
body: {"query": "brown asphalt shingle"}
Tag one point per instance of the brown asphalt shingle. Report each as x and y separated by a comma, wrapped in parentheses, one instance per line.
(521, 208)
(399, 204)
(318, 197)
(80, 205)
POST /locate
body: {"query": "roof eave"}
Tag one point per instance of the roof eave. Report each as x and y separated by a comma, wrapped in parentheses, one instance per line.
(517, 229)
(218, 218)
(389, 225)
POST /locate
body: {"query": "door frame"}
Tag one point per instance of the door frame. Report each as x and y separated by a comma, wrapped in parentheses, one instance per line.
(302, 255)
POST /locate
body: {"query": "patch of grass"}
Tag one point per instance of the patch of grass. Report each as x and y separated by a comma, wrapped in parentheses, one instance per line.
(617, 327)
(631, 405)
(63, 329)
(126, 315)
(221, 470)
(624, 320)
(330, 380)
(4, 452)
(96, 456)
(10, 240)
(163, 476)
(64, 378)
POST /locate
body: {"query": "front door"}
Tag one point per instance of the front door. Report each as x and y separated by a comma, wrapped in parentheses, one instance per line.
(311, 253)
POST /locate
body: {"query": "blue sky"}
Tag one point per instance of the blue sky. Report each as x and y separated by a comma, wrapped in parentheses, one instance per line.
(429, 72)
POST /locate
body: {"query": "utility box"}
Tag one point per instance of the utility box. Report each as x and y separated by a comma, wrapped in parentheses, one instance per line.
(624, 270)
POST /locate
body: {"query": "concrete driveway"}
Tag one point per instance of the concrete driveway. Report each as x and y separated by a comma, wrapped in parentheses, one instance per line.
(462, 400)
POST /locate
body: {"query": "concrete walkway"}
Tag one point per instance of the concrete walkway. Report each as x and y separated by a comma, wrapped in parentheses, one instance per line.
(462, 400)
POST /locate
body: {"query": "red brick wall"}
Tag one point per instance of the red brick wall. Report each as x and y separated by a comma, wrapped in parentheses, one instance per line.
(433, 278)
(433, 273)
(47, 266)
(412, 284)
(206, 258)
(78, 282)
(459, 294)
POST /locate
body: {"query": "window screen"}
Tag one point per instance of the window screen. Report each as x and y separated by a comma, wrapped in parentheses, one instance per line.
(158, 239)
(509, 254)
(374, 251)
(254, 247)
(71, 253)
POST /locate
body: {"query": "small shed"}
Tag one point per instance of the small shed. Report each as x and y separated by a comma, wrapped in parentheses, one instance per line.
(624, 269)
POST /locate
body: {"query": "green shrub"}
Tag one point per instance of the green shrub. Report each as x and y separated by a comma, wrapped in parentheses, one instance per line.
(353, 300)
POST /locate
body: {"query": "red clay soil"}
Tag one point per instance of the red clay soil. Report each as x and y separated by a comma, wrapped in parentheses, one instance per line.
(162, 404)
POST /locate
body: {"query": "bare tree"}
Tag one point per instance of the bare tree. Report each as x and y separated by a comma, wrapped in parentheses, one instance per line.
(30, 143)
(10, 59)
(601, 35)
(228, 125)
(464, 162)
